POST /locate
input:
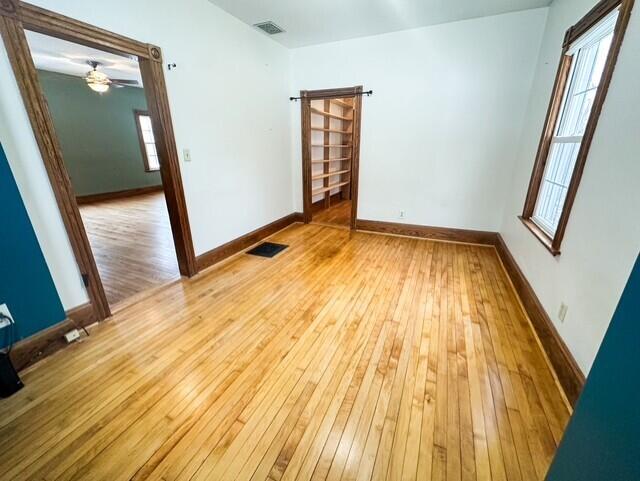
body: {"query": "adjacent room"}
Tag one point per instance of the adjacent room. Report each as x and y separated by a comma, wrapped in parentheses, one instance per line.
(99, 110)
(319, 240)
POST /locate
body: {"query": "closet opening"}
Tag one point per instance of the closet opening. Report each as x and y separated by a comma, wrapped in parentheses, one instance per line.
(330, 154)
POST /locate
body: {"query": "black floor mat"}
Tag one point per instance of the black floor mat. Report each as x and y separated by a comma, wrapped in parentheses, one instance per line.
(267, 249)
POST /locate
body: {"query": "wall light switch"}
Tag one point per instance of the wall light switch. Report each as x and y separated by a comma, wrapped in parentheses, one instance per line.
(187, 155)
(5, 322)
(562, 313)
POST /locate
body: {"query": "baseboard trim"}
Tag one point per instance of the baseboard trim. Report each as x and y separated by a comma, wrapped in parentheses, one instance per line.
(90, 198)
(220, 253)
(44, 343)
(428, 232)
(569, 374)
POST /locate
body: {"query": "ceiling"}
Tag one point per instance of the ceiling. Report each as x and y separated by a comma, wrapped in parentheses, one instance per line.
(308, 22)
(56, 55)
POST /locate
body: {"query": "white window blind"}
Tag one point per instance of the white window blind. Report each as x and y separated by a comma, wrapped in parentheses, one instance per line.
(589, 56)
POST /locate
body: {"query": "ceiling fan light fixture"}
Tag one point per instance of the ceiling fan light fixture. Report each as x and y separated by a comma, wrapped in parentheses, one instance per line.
(97, 81)
(98, 87)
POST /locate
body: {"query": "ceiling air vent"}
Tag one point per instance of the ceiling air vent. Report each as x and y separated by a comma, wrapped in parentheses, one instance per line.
(269, 27)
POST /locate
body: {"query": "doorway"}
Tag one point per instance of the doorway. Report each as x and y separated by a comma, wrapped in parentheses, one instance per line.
(18, 18)
(98, 106)
(331, 154)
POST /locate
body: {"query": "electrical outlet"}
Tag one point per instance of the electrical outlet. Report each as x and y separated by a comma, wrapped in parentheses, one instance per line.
(562, 313)
(402, 214)
(187, 155)
(72, 335)
(4, 309)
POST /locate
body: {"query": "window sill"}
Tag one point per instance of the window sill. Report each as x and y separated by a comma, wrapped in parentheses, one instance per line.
(539, 234)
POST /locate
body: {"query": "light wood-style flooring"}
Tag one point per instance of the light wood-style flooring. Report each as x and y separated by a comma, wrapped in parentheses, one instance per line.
(132, 244)
(350, 356)
(337, 214)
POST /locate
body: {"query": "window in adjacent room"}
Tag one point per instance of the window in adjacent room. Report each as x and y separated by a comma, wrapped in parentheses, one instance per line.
(585, 70)
(147, 141)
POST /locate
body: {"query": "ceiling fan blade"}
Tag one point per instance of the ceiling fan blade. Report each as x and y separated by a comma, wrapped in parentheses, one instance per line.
(124, 81)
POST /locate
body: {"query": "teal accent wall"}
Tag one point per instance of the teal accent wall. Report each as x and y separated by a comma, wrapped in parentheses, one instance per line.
(98, 135)
(602, 440)
(26, 285)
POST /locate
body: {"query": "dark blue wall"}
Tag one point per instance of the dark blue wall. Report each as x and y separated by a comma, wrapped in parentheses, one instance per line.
(602, 441)
(26, 285)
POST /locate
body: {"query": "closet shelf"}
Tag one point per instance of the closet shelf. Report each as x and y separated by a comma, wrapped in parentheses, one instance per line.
(330, 174)
(341, 103)
(322, 161)
(329, 114)
(328, 188)
(334, 131)
(341, 146)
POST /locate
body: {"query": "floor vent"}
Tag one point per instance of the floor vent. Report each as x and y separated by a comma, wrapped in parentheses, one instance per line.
(269, 27)
(267, 249)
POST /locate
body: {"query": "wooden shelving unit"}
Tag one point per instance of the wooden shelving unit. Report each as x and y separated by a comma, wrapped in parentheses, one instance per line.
(330, 128)
(330, 174)
(322, 161)
(341, 103)
(330, 133)
(336, 146)
(327, 113)
(322, 129)
(329, 187)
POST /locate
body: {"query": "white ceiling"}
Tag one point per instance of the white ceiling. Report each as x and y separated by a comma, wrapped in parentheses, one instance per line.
(308, 22)
(56, 55)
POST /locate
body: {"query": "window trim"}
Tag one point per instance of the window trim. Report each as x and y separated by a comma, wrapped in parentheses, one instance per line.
(145, 159)
(595, 15)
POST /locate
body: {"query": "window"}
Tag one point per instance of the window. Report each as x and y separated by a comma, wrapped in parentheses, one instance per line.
(147, 141)
(588, 61)
(585, 70)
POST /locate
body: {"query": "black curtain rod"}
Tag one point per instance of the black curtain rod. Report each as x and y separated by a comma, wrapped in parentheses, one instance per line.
(367, 93)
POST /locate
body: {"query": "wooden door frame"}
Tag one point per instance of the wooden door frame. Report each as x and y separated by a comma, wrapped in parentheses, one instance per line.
(306, 96)
(15, 18)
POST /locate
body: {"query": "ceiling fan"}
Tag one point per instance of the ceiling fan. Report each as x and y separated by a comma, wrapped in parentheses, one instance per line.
(99, 82)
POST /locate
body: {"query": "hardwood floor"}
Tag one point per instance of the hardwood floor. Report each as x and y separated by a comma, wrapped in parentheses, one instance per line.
(132, 244)
(337, 214)
(350, 356)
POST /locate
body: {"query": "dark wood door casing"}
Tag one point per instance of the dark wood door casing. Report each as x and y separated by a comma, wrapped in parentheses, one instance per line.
(15, 18)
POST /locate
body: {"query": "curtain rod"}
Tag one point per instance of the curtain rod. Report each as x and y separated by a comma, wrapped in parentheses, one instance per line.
(367, 93)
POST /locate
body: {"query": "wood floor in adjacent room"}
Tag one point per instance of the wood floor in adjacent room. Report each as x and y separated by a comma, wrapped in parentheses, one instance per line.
(337, 214)
(132, 244)
(348, 356)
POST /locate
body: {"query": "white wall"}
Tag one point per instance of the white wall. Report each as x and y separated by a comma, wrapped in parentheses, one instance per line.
(440, 132)
(603, 235)
(26, 165)
(229, 101)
